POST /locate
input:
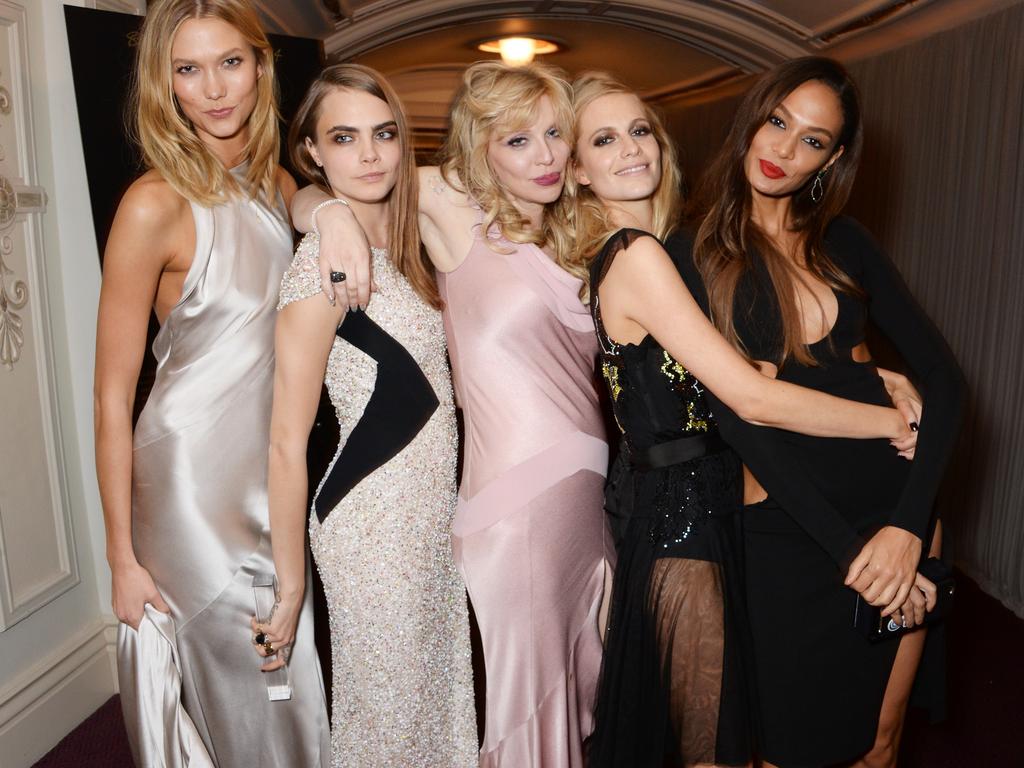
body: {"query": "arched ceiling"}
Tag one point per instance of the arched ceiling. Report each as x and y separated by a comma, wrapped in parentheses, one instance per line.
(672, 51)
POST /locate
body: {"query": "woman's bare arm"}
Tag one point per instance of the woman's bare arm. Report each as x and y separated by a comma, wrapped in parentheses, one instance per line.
(446, 219)
(643, 287)
(286, 185)
(150, 213)
(343, 246)
(303, 338)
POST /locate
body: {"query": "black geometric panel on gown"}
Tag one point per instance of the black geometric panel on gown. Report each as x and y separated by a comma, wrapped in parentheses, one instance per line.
(401, 404)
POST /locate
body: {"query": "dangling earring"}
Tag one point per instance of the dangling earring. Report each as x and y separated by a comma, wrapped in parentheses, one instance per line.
(818, 188)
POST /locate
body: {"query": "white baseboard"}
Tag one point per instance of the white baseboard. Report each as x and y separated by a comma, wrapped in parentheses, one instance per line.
(46, 702)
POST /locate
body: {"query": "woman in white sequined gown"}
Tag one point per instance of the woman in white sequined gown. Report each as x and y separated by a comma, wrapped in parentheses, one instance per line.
(381, 518)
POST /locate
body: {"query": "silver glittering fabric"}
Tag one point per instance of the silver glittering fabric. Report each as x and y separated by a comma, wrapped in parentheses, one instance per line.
(403, 689)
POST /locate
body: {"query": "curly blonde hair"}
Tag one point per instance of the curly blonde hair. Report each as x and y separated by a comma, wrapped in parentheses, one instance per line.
(496, 99)
(168, 142)
(588, 216)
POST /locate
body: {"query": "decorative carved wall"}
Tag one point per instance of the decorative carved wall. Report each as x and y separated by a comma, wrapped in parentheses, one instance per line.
(37, 556)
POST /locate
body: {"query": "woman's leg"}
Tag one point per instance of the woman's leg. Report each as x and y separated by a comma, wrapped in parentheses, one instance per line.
(897, 693)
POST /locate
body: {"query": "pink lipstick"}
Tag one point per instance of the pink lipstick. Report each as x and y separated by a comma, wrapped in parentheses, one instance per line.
(548, 179)
(219, 114)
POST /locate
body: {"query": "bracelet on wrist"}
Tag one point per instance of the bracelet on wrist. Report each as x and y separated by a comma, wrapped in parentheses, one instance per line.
(324, 204)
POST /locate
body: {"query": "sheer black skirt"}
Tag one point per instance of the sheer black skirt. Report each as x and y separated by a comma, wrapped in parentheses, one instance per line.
(673, 689)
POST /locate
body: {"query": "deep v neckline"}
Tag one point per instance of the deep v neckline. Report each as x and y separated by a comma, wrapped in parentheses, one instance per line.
(835, 321)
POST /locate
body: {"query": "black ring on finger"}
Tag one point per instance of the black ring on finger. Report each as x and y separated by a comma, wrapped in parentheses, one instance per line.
(338, 277)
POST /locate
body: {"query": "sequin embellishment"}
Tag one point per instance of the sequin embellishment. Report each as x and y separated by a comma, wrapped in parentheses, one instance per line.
(403, 689)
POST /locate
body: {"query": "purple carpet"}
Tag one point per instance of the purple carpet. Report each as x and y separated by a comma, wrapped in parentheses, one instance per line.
(985, 727)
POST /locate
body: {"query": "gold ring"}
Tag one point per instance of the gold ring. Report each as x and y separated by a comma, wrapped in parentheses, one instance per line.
(269, 648)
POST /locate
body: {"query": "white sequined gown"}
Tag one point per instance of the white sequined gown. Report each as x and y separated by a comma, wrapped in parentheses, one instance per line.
(380, 532)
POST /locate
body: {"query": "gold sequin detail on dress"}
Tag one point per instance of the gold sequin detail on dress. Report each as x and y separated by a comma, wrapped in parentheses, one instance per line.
(403, 692)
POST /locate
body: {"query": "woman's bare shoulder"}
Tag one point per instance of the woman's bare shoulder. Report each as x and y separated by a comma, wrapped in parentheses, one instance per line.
(153, 222)
(151, 202)
(286, 184)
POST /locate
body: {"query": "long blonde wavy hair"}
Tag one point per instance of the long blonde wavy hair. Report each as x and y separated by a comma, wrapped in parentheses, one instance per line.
(589, 217)
(166, 137)
(496, 99)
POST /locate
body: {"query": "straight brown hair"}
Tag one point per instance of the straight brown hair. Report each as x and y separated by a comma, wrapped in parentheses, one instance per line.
(728, 242)
(403, 232)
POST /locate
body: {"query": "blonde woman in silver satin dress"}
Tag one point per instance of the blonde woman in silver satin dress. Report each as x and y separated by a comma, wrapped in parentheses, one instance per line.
(380, 522)
(202, 240)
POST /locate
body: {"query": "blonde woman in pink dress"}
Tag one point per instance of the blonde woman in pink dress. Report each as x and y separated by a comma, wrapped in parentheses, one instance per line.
(529, 534)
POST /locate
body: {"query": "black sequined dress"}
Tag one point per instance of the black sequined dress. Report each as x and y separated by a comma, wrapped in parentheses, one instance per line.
(672, 684)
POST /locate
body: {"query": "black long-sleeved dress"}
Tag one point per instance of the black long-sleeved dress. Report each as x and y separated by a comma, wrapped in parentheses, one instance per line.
(819, 682)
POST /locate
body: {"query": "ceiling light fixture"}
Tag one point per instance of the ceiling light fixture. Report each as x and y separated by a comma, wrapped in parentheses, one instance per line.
(517, 51)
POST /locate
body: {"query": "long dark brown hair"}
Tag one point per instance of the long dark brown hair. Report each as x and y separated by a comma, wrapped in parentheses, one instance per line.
(403, 232)
(728, 241)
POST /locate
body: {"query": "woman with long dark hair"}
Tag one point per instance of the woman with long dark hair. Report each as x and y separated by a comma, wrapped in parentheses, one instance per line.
(792, 284)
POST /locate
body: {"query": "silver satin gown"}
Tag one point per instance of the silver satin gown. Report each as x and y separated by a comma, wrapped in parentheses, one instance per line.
(200, 521)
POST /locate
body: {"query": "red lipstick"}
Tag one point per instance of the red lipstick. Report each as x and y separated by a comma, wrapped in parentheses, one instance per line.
(771, 170)
(548, 179)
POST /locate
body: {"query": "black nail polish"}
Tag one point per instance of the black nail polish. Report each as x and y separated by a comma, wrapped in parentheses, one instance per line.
(914, 426)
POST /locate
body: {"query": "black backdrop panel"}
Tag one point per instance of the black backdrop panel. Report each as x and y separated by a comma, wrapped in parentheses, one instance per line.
(102, 55)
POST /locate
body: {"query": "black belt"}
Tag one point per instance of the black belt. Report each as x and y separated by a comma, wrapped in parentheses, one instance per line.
(676, 451)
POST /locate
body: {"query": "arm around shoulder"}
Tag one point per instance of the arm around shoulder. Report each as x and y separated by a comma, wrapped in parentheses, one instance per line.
(651, 292)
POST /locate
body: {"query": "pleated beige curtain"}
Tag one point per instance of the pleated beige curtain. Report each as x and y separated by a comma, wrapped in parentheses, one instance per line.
(942, 188)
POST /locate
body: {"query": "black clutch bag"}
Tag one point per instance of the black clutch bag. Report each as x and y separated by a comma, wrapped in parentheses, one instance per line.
(868, 619)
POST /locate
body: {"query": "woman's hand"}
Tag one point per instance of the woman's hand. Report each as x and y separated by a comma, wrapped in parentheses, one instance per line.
(132, 588)
(920, 601)
(907, 400)
(343, 245)
(344, 249)
(885, 570)
(278, 634)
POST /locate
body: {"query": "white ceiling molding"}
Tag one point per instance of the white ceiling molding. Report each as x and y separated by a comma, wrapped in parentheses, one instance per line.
(694, 89)
(745, 36)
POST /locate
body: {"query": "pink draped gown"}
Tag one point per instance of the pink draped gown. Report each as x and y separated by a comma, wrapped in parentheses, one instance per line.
(529, 533)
